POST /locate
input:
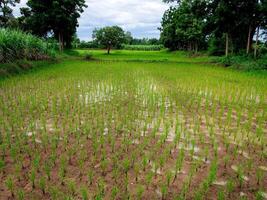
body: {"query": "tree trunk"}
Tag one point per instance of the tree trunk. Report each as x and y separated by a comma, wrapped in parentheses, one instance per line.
(60, 42)
(109, 48)
(196, 49)
(249, 39)
(257, 40)
(226, 44)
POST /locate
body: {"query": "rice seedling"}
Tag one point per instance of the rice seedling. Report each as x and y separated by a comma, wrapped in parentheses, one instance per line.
(139, 192)
(142, 130)
(20, 194)
(10, 185)
(42, 185)
(84, 193)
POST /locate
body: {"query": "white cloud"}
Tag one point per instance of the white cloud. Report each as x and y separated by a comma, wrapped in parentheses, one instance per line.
(141, 17)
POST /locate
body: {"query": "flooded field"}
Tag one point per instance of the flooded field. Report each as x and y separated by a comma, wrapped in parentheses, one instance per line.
(133, 130)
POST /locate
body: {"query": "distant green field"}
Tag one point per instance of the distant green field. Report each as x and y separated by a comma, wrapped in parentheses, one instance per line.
(138, 125)
(128, 55)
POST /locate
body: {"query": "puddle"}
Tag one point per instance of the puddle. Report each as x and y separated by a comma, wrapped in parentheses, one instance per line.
(179, 172)
(220, 183)
(245, 178)
(96, 93)
(105, 132)
(263, 168)
(242, 194)
(153, 166)
(245, 154)
(189, 147)
(234, 167)
(38, 141)
(30, 134)
(135, 142)
(202, 159)
(158, 192)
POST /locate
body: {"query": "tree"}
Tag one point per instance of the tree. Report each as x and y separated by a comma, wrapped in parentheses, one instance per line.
(237, 20)
(108, 37)
(183, 25)
(228, 25)
(6, 11)
(128, 38)
(59, 17)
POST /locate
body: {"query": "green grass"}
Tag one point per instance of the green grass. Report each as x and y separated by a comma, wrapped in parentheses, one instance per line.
(149, 56)
(152, 125)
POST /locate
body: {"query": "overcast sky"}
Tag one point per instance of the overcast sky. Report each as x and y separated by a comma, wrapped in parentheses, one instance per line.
(140, 17)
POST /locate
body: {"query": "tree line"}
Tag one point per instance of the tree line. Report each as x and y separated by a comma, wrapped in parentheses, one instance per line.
(223, 26)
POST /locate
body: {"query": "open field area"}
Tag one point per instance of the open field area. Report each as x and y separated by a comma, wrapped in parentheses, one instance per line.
(148, 56)
(128, 125)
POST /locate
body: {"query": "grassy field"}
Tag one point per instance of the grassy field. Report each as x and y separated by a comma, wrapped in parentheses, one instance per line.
(138, 125)
(149, 56)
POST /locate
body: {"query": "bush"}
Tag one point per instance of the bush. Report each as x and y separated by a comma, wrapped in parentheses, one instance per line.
(15, 45)
(143, 47)
(88, 45)
(88, 56)
(244, 62)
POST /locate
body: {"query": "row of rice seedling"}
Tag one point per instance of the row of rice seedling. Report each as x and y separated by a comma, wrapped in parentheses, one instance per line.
(121, 130)
(15, 44)
(143, 47)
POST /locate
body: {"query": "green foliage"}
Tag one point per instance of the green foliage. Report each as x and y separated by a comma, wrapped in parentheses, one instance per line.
(57, 16)
(6, 12)
(88, 56)
(88, 45)
(145, 41)
(110, 37)
(183, 26)
(18, 45)
(226, 25)
(244, 62)
(143, 47)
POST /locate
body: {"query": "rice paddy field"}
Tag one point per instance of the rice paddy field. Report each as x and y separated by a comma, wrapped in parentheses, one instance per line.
(134, 125)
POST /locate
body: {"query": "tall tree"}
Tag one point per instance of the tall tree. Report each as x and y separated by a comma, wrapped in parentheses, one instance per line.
(6, 11)
(237, 19)
(59, 17)
(110, 37)
(229, 25)
(183, 25)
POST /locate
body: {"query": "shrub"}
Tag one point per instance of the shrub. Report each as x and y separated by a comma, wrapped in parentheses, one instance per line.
(143, 47)
(15, 45)
(88, 56)
(244, 62)
(88, 45)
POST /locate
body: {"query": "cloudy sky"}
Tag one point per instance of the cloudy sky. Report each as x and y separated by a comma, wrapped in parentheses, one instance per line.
(140, 17)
